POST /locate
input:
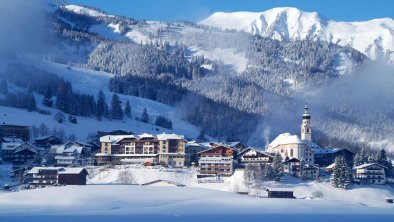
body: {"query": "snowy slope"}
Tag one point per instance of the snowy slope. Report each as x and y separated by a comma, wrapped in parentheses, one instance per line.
(90, 82)
(374, 38)
(148, 203)
(148, 32)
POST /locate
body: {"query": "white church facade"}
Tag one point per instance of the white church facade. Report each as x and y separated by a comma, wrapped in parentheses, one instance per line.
(292, 146)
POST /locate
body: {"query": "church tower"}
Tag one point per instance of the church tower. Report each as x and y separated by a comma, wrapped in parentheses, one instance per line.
(306, 130)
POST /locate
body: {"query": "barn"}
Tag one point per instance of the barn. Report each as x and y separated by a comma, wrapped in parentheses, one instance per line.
(73, 176)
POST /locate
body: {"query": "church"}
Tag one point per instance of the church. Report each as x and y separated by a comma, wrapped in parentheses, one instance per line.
(291, 146)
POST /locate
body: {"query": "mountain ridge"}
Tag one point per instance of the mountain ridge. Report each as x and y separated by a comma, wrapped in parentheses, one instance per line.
(374, 38)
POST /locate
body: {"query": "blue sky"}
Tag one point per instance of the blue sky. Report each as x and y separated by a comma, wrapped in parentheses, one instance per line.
(195, 10)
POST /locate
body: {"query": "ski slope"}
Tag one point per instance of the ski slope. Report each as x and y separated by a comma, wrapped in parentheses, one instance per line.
(90, 82)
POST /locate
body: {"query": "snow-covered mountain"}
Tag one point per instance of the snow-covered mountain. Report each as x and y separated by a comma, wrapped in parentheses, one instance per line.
(374, 38)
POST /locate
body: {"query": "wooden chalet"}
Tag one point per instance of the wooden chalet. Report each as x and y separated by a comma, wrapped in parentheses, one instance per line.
(253, 156)
(218, 160)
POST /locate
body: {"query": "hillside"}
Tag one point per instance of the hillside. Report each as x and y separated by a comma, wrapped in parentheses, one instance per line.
(229, 84)
(90, 82)
(374, 38)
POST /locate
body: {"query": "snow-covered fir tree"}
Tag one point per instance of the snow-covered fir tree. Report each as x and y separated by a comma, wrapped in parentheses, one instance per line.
(382, 159)
(277, 167)
(340, 175)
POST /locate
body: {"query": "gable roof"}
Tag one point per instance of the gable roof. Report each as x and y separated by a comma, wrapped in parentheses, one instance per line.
(12, 139)
(114, 138)
(330, 150)
(293, 160)
(287, 138)
(250, 149)
(73, 170)
(35, 170)
(60, 149)
(25, 146)
(145, 135)
(171, 136)
(216, 147)
(367, 165)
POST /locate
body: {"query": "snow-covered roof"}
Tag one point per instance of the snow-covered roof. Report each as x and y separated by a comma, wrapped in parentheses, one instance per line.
(45, 138)
(328, 150)
(35, 170)
(145, 135)
(60, 149)
(233, 144)
(192, 143)
(12, 139)
(62, 170)
(252, 149)
(64, 157)
(74, 170)
(331, 166)
(114, 138)
(293, 160)
(367, 165)
(10, 146)
(25, 146)
(172, 136)
(287, 138)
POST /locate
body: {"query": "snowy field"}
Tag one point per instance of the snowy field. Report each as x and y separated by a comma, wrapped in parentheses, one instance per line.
(149, 203)
(104, 198)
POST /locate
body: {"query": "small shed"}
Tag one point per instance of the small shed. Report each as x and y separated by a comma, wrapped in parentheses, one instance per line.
(280, 194)
(73, 176)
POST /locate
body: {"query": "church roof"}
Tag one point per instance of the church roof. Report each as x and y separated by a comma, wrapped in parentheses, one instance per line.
(287, 138)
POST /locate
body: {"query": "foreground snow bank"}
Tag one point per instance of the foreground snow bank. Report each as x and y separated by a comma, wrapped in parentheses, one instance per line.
(148, 202)
(373, 196)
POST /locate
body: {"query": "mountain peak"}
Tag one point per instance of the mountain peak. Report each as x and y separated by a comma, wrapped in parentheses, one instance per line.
(288, 23)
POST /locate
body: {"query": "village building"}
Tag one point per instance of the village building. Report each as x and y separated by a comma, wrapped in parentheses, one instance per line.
(370, 173)
(70, 153)
(171, 150)
(236, 145)
(44, 144)
(167, 149)
(8, 145)
(49, 176)
(298, 168)
(326, 156)
(291, 146)
(22, 132)
(192, 149)
(253, 156)
(72, 176)
(16, 151)
(217, 161)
